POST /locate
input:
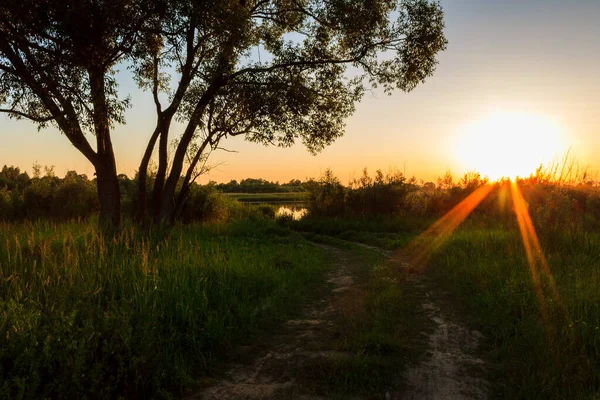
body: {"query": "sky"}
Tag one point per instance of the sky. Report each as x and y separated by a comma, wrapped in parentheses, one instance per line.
(507, 62)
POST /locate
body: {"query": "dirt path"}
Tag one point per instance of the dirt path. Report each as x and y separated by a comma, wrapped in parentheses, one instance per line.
(450, 370)
(272, 374)
(277, 368)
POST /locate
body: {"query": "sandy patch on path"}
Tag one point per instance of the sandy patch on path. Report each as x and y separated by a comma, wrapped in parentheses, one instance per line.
(450, 369)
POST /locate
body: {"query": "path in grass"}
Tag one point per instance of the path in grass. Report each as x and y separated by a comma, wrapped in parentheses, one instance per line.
(296, 362)
(450, 368)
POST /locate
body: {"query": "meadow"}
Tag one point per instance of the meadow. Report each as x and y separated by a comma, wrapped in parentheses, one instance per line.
(542, 329)
(536, 347)
(147, 314)
(542, 347)
(139, 316)
(270, 198)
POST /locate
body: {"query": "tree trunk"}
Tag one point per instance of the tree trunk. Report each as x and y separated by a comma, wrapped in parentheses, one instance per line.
(163, 161)
(143, 176)
(187, 182)
(109, 194)
(167, 198)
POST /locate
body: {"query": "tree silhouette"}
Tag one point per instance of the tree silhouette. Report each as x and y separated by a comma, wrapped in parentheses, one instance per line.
(57, 61)
(275, 71)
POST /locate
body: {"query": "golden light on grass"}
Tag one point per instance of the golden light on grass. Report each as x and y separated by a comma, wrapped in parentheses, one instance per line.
(538, 266)
(420, 249)
(508, 144)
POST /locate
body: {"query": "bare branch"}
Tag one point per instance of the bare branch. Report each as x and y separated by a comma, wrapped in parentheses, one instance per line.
(226, 150)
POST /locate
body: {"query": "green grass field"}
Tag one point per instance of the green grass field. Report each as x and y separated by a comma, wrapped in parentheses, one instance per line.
(147, 315)
(384, 232)
(537, 357)
(135, 316)
(274, 198)
(484, 269)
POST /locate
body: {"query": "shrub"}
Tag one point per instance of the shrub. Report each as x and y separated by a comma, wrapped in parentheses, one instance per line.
(205, 203)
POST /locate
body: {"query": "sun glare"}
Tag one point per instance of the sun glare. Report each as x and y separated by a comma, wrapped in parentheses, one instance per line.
(508, 144)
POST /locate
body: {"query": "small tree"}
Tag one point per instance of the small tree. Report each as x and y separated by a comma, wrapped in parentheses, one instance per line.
(274, 71)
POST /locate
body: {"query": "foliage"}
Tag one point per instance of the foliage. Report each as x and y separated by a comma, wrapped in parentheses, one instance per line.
(381, 195)
(58, 61)
(205, 203)
(74, 197)
(389, 194)
(327, 195)
(251, 185)
(48, 196)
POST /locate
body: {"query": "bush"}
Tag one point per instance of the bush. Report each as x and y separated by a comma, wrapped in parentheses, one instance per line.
(205, 203)
(326, 196)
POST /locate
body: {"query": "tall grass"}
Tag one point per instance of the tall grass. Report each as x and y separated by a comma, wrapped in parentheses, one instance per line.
(557, 357)
(137, 316)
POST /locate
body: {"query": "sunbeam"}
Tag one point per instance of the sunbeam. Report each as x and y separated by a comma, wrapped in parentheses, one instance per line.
(422, 247)
(535, 255)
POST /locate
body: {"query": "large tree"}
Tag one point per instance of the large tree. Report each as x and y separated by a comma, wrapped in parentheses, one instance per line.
(275, 71)
(57, 62)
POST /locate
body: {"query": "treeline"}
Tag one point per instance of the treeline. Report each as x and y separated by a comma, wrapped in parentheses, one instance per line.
(44, 195)
(388, 193)
(47, 196)
(554, 204)
(252, 185)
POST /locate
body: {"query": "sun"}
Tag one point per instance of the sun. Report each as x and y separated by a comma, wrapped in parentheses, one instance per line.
(508, 144)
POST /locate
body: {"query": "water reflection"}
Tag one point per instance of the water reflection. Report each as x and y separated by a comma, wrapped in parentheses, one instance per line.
(296, 213)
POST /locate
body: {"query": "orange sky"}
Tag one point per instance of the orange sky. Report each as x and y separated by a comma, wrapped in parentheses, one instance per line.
(529, 57)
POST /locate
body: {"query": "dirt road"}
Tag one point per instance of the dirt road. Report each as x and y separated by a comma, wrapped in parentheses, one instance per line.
(286, 364)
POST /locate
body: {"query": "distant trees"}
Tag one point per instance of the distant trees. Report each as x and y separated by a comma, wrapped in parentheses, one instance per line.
(553, 204)
(272, 71)
(394, 194)
(259, 185)
(48, 196)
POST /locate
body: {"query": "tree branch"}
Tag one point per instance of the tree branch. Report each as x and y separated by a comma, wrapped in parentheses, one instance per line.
(28, 116)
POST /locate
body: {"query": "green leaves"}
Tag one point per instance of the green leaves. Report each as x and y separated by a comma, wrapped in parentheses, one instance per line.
(275, 71)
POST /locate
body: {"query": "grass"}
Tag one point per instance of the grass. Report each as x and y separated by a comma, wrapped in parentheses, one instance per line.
(284, 197)
(375, 334)
(483, 270)
(557, 357)
(384, 232)
(138, 317)
(144, 317)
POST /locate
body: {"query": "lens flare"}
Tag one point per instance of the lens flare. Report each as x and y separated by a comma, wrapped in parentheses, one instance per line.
(419, 250)
(422, 247)
(535, 255)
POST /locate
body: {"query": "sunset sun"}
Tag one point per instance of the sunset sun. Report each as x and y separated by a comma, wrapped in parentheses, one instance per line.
(508, 144)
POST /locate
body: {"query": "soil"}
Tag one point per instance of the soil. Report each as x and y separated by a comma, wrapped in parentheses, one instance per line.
(451, 368)
(275, 367)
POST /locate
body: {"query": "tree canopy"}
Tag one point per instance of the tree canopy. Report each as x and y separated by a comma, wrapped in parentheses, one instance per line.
(274, 71)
